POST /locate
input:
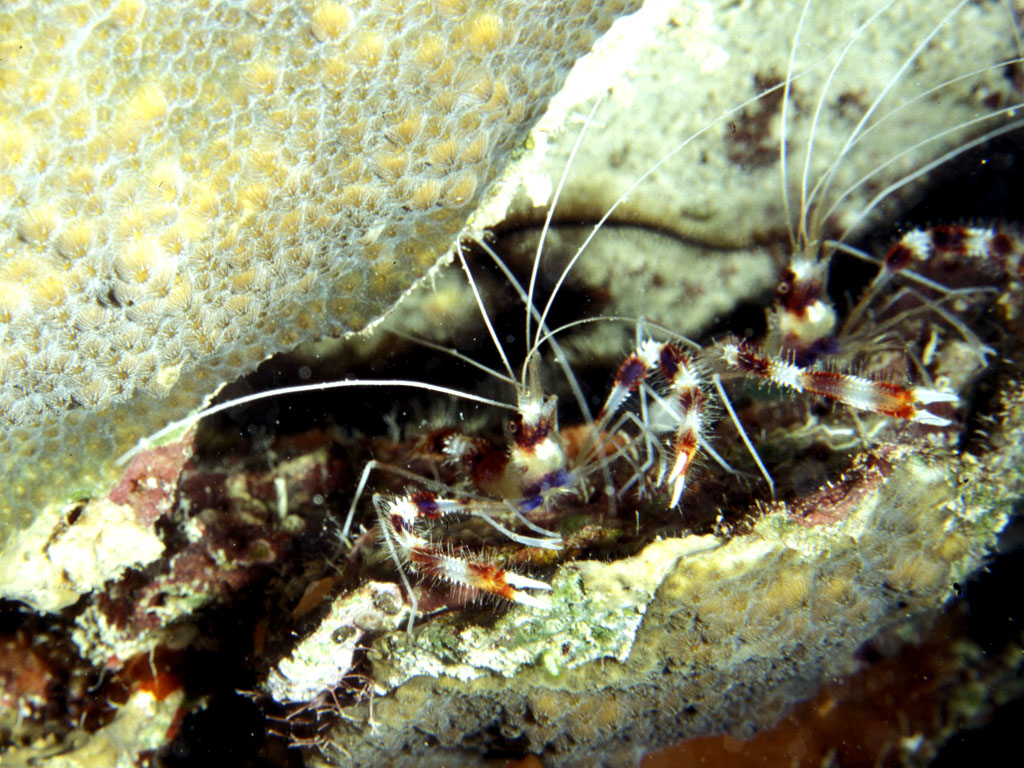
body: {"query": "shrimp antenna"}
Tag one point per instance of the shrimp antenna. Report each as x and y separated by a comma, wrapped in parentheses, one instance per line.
(785, 120)
(193, 418)
(453, 353)
(933, 90)
(825, 182)
(743, 433)
(926, 168)
(644, 176)
(547, 226)
(801, 236)
(483, 308)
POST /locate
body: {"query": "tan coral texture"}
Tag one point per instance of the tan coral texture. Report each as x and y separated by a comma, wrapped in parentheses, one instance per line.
(186, 188)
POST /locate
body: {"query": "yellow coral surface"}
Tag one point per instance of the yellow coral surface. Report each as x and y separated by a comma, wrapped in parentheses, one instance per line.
(186, 188)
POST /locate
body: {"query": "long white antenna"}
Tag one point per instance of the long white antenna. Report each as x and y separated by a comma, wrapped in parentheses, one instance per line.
(804, 200)
(483, 309)
(640, 180)
(783, 172)
(145, 442)
(547, 226)
(918, 172)
(825, 182)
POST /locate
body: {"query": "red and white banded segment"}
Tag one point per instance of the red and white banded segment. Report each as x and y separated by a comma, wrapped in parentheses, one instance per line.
(882, 397)
(400, 517)
(684, 402)
(997, 247)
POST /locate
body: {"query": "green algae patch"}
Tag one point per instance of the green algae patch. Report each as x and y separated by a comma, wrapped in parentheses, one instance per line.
(594, 613)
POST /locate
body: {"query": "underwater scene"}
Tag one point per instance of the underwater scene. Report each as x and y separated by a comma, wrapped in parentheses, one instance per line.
(511, 383)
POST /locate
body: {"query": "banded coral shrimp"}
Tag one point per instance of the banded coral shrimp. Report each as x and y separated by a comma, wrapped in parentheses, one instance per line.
(852, 153)
(769, 423)
(809, 232)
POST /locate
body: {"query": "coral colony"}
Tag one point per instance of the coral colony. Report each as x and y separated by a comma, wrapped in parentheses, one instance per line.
(432, 568)
(189, 189)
